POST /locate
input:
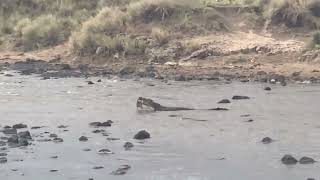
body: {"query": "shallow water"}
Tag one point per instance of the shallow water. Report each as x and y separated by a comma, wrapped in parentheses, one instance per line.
(180, 148)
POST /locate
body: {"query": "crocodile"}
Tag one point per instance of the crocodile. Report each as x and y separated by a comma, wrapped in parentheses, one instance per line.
(149, 104)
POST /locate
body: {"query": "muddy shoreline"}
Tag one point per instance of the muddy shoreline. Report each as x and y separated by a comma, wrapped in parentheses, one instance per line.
(53, 70)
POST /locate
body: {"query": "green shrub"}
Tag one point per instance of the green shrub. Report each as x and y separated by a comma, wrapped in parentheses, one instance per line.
(41, 32)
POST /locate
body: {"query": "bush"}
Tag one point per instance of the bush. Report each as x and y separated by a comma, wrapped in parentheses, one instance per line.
(160, 35)
(315, 42)
(41, 32)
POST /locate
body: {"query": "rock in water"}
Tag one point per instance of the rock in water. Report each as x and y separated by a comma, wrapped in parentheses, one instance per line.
(24, 134)
(267, 88)
(9, 131)
(266, 140)
(128, 145)
(240, 97)
(224, 101)
(289, 160)
(83, 138)
(121, 171)
(19, 126)
(306, 160)
(142, 135)
(3, 160)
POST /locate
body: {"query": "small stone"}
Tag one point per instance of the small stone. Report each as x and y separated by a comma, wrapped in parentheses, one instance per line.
(62, 127)
(3, 160)
(101, 124)
(36, 127)
(86, 149)
(53, 135)
(306, 160)
(54, 157)
(142, 135)
(128, 145)
(19, 126)
(98, 167)
(240, 97)
(54, 170)
(83, 138)
(9, 131)
(57, 140)
(105, 151)
(90, 82)
(250, 120)
(121, 171)
(289, 160)
(266, 140)
(99, 80)
(267, 88)
(224, 101)
(311, 179)
(98, 131)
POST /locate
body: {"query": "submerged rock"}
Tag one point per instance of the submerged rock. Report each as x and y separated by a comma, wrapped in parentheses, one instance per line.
(3, 160)
(224, 101)
(19, 126)
(57, 140)
(306, 160)
(240, 97)
(267, 140)
(289, 160)
(83, 138)
(9, 131)
(128, 145)
(2, 143)
(25, 134)
(142, 135)
(121, 171)
(267, 88)
(105, 151)
(101, 124)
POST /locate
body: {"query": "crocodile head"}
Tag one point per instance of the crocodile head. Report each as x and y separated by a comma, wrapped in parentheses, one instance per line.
(146, 104)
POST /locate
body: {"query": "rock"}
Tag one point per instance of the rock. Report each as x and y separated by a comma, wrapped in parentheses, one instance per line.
(306, 160)
(13, 139)
(90, 82)
(180, 78)
(98, 167)
(53, 135)
(266, 140)
(113, 139)
(19, 126)
(2, 143)
(86, 149)
(62, 127)
(3, 160)
(36, 127)
(54, 157)
(101, 124)
(98, 131)
(128, 145)
(23, 142)
(121, 171)
(289, 160)
(57, 140)
(142, 135)
(54, 170)
(9, 131)
(99, 80)
(240, 97)
(311, 179)
(105, 151)
(127, 70)
(267, 88)
(83, 138)
(219, 109)
(224, 101)
(3, 154)
(25, 134)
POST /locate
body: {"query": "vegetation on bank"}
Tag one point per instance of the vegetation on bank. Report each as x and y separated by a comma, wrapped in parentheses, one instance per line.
(131, 27)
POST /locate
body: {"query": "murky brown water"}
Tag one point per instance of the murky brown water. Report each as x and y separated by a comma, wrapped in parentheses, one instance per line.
(179, 149)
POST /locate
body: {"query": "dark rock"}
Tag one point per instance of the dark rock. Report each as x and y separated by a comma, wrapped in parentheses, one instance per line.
(19, 126)
(306, 160)
(3, 160)
(99, 80)
(98, 167)
(7, 127)
(250, 120)
(57, 140)
(121, 171)
(9, 131)
(2, 143)
(289, 160)
(105, 151)
(240, 97)
(267, 88)
(83, 138)
(87, 149)
(113, 139)
(90, 82)
(219, 109)
(54, 170)
(62, 127)
(224, 101)
(266, 140)
(13, 139)
(128, 145)
(311, 179)
(23, 142)
(53, 135)
(127, 70)
(3, 154)
(98, 131)
(25, 134)
(54, 157)
(36, 127)
(142, 135)
(101, 124)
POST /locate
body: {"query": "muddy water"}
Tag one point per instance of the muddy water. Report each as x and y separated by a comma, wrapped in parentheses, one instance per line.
(222, 146)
